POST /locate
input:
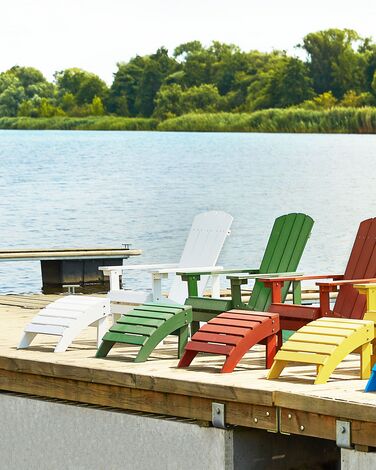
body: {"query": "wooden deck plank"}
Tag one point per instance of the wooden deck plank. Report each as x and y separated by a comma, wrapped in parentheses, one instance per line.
(66, 253)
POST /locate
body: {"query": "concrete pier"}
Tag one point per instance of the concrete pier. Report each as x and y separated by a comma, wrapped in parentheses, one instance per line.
(49, 435)
(352, 459)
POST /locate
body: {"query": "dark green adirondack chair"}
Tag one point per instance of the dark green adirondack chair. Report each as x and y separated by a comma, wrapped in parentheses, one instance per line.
(285, 247)
(147, 325)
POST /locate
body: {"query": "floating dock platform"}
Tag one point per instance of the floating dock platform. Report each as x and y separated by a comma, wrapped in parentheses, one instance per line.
(61, 266)
(71, 410)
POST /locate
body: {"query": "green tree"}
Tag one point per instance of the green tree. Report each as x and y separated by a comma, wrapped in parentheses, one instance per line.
(22, 83)
(290, 83)
(368, 51)
(68, 102)
(351, 99)
(27, 76)
(260, 80)
(228, 62)
(91, 86)
(10, 100)
(47, 109)
(124, 89)
(173, 100)
(83, 85)
(168, 101)
(96, 107)
(157, 68)
(26, 108)
(324, 101)
(334, 62)
(181, 52)
(196, 63)
(204, 98)
(136, 83)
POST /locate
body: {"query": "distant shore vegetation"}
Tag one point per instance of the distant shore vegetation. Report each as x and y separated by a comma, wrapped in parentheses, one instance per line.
(293, 120)
(214, 88)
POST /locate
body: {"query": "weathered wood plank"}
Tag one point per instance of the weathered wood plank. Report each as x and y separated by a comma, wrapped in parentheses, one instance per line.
(307, 424)
(304, 423)
(70, 253)
(74, 370)
(326, 406)
(199, 408)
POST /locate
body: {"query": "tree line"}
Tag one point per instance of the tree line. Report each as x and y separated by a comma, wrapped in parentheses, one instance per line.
(339, 69)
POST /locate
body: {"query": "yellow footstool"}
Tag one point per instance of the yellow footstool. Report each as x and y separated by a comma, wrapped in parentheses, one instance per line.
(326, 342)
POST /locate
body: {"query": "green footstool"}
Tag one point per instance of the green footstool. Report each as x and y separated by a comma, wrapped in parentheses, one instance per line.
(146, 326)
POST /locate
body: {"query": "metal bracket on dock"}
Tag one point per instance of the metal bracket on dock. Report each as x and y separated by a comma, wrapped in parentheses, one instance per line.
(343, 434)
(218, 415)
(279, 422)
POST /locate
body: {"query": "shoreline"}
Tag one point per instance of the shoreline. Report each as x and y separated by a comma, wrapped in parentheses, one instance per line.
(331, 121)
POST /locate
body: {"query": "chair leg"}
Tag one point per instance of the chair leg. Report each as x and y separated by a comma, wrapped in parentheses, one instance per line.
(63, 343)
(102, 327)
(26, 340)
(276, 369)
(279, 340)
(187, 358)
(104, 348)
(365, 361)
(271, 350)
(195, 326)
(182, 339)
(231, 362)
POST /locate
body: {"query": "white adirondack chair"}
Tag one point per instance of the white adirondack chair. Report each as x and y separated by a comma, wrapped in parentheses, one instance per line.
(66, 318)
(202, 248)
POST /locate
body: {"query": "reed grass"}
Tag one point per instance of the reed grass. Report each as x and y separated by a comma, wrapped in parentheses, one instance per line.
(294, 120)
(335, 120)
(102, 123)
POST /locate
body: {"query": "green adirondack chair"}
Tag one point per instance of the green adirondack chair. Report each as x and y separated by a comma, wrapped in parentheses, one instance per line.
(285, 247)
(147, 325)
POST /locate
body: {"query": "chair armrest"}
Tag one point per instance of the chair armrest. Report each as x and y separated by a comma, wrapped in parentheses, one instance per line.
(116, 271)
(369, 290)
(192, 278)
(159, 274)
(134, 267)
(331, 286)
(238, 280)
(345, 282)
(189, 272)
(198, 271)
(108, 270)
(277, 283)
(297, 276)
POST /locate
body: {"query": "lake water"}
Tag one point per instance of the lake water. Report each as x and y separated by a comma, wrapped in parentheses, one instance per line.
(77, 189)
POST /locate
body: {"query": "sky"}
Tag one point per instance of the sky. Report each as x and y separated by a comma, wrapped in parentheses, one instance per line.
(95, 35)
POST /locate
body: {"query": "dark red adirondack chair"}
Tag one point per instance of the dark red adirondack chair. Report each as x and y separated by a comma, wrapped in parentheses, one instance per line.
(361, 268)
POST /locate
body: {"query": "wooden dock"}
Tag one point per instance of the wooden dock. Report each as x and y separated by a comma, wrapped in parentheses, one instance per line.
(66, 254)
(77, 266)
(290, 405)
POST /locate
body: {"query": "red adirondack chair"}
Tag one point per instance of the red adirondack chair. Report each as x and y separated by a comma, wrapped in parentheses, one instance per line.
(361, 268)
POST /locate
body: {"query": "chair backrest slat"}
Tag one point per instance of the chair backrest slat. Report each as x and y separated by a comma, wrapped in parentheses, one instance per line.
(361, 265)
(285, 247)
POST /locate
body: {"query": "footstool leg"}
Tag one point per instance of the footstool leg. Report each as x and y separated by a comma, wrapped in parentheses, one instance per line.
(271, 349)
